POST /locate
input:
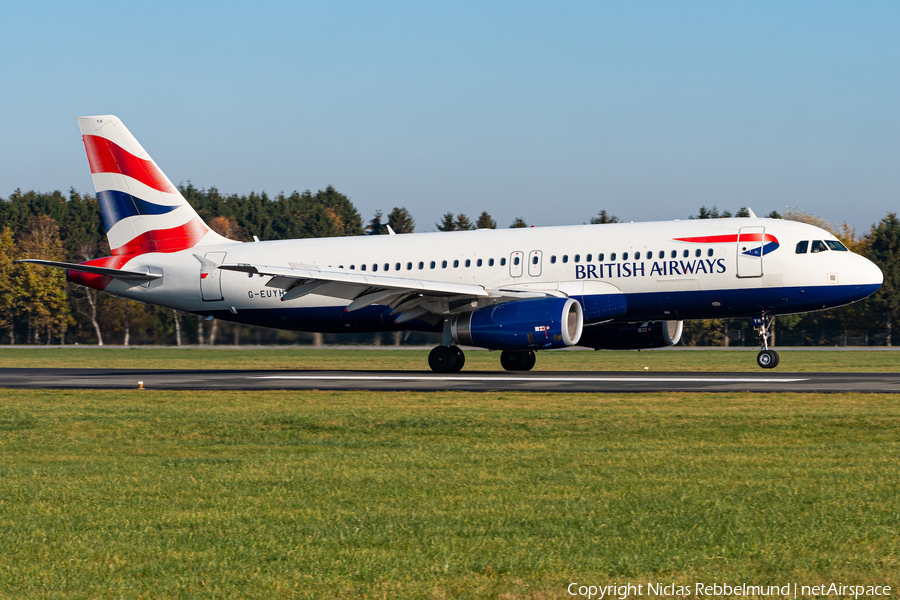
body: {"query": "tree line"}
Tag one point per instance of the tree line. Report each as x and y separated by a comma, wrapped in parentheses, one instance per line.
(37, 305)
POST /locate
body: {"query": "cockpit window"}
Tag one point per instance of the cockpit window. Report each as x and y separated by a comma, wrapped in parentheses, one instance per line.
(818, 246)
(836, 245)
(802, 247)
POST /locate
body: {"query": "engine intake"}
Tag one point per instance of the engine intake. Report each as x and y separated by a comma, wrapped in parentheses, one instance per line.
(521, 325)
(632, 336)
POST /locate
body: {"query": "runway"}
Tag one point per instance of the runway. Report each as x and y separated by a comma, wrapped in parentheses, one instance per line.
(474, 381)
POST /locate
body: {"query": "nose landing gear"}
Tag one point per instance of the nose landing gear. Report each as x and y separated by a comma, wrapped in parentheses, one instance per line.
(767, 359)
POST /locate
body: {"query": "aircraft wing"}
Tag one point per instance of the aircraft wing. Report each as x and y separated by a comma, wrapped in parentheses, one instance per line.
(410, 298)
(117, 273)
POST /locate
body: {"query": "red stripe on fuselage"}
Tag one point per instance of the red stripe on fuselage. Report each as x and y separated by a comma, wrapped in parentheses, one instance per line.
(732, 237)
(107, 157)
(165, 240)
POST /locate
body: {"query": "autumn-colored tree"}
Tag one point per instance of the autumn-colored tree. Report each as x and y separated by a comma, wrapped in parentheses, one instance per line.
(227, 227)
(43, 289)
(8, 280)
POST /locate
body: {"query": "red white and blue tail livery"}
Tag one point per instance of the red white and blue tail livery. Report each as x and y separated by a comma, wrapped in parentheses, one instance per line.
(616, 286)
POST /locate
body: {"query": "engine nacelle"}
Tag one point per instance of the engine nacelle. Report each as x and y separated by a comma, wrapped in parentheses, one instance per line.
(521, 325)
(632, 336)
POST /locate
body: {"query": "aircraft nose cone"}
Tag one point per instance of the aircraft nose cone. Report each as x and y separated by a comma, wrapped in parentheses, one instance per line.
(867, 273)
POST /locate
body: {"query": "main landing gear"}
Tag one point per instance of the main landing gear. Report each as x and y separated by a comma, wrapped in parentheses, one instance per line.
(767, 359)
(450, 359)
(446, 359)
(512, 360)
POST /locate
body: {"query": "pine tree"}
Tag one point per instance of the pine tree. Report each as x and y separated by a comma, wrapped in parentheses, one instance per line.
(602, 218)
(375, 226)
(883, 244)
(463, 223)
(401, 221)
(447, 223)
(518, 223)
(486, 222)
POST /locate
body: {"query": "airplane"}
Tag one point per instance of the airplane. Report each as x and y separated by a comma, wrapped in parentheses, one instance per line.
(620, 286)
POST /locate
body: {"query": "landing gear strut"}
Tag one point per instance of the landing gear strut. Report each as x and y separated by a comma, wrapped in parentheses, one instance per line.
(517, 361)
(446, 359)
(767, 359)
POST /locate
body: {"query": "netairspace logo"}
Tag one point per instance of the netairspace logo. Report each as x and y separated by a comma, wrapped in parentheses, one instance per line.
(792, 590)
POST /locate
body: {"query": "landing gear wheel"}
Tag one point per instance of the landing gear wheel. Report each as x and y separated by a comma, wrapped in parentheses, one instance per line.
(460, 358)
(442, 359)
(531, 359)
(512, 360)
(767, 359)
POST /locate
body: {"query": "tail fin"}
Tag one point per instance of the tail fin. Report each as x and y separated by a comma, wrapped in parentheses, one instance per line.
(142, 210)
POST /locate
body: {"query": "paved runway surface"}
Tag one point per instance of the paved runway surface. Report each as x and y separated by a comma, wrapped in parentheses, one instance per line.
(763, 381)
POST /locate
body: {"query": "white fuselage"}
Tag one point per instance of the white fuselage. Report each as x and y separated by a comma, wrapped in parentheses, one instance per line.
(661, 275)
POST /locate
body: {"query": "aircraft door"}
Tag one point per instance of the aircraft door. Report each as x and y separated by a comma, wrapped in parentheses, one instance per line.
(534, 263)
(211, 278)
(515, 264)
(749, 251)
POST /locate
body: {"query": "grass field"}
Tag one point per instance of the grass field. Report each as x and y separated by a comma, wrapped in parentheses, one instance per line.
(112, 494)
(416, 360)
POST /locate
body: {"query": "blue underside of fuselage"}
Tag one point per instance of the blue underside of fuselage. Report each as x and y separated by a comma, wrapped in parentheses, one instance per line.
(651, 306)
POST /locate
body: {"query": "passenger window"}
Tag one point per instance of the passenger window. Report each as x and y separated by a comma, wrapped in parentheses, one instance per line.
(456, 264)
(565, 258)
(397, 266)
(577, 258)
(637, 256)
(374, 267)
(421, 265)
(662, 253)
(352, 267)
(432, 264)
(468, 263)
(503, 262)
(612, 256)
(588, 258)
(802, 247)
(409, 266)
(709, 252)
(516, 261)
(443, 264)
(478, 263)
(387, 267)
(624, 256)
(674, 253)
(836, 245)
(534, 260)
(553, 260)
(687, 253)
(698, 253)
(600, 257)
(490, 262)
(818, 246)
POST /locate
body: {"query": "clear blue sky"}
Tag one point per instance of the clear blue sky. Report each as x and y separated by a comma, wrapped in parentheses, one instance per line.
(548, 111)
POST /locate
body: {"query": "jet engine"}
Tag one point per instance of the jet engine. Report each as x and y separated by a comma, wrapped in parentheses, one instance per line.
(632, 336)
(521, 325)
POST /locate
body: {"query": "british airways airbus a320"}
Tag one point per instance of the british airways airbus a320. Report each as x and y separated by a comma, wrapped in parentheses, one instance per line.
(615, 286)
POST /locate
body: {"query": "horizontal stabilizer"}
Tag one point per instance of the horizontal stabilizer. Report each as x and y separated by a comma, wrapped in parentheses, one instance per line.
(117, 273)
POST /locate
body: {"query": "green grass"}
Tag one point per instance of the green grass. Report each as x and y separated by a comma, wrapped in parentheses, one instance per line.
(109, 494)
(417, 360)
